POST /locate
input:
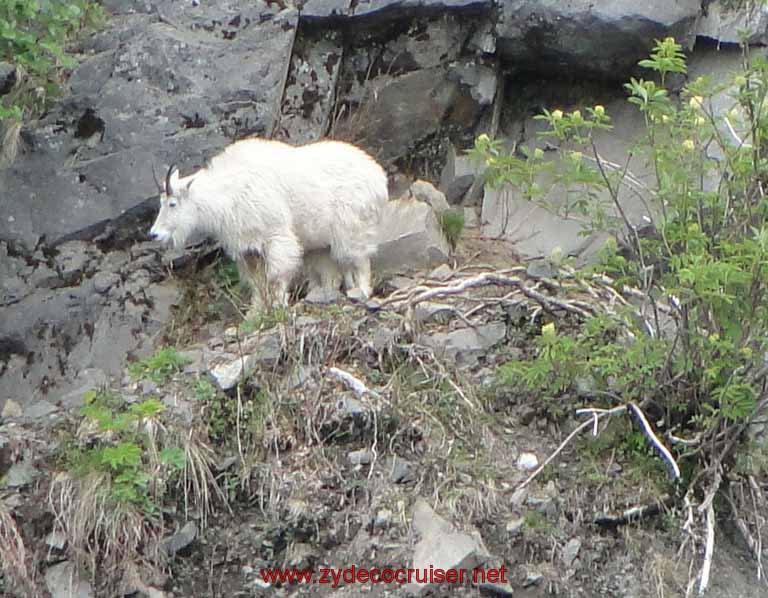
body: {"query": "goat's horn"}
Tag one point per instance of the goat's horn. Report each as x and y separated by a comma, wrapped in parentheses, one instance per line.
(168, 190)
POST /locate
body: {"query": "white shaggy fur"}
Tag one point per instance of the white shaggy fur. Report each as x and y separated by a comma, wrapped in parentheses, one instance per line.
(270, 200)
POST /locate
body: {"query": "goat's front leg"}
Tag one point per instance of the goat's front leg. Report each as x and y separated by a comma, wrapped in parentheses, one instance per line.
(283, 258)
(252, 272)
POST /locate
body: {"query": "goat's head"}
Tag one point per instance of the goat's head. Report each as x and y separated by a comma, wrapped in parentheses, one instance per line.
(177, 218)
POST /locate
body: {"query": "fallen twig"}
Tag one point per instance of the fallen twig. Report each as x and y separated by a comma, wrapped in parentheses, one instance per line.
(596, 414)
(633, 513)
(351, 382)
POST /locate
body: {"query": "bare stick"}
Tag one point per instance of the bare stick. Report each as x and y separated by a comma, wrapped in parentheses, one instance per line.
(563, 444)
(708, 549)
(649, 434)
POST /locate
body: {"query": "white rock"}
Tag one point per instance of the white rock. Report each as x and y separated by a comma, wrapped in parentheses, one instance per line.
(527, 461)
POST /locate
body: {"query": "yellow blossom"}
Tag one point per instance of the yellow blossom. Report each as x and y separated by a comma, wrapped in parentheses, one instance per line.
(548, 330)
(576, 156)
(576, 114)
(688, 145)
(599, 110)
(696, 102)
(538, 153)
(557, 114)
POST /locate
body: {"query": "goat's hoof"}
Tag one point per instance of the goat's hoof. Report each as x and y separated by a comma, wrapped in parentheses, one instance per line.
(357, 295)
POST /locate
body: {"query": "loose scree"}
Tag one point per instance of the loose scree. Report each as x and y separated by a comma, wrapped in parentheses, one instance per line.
(271, 205)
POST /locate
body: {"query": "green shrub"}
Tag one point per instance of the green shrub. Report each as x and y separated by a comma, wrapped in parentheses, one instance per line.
(452, 224)
(125, 450)
(701, 267)
(33, 37)
(160, 367)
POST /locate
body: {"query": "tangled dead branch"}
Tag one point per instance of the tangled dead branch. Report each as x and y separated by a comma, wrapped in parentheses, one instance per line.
(567, 291)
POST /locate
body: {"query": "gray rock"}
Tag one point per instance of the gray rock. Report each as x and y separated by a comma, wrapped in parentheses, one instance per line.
(514, 526)
(467, 344)
(441, 546)
(70, 339)
(397, 7)
(532, 578)
(471, 219)
(180, 540)
(56, 540)
(86, 380)
(322, 296)
(154, 93)
(308, 100)
(397, 283)
(383, 339)
(457, 189)
(103, 281)
(410, 237)
(229, 367)
(539, 269)
(7, 77)
(13, 287)
(44, 277)
(429, 194)
(383, 519)
(349, 407)
(519, 497)
(20, 474)
(479, 79)
(39, 410)
(400, 111)
(723, 23)
(428, 43)
(428, 311)
(571, 551)
(360, 457)
(147, 387)
(72, 259)
(11, 409)
(320, 10)
(604, 37)
(64, 581)
(527, 461)
(441, 273)
(402, 471)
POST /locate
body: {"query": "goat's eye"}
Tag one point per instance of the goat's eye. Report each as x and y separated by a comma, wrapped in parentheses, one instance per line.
(172, 203)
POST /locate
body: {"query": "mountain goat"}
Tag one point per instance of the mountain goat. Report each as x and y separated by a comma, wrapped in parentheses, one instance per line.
(268, 203)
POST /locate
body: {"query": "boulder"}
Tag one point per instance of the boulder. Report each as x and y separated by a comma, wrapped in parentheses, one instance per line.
(441, 546)
(603, 37)
(7, 77)
(410, 237)
(722, 22)
(308, 100)
(155, 91)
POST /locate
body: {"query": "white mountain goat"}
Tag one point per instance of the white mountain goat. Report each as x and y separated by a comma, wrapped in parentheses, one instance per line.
(268, 202)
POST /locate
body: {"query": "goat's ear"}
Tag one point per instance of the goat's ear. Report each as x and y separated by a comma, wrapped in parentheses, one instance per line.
(171, 179)
(189, 184)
